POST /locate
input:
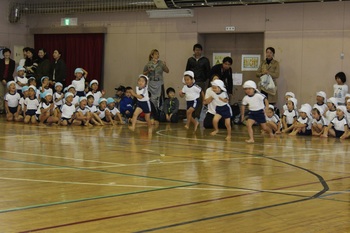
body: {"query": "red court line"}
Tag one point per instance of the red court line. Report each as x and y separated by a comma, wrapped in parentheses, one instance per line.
(170, 207)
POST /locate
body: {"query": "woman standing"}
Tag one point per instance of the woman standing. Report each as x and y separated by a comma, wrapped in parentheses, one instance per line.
(31, 63)
(7, 67)
(58, 69)
(154, 70)
(44, 66)
(269, 67)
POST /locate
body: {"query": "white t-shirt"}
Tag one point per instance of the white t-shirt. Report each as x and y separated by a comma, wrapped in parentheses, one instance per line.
(67, 110)
(322, 108)
(192, 93)
(12, 99)
(102, 113)
(57, 96)
(339, 93)
(22, 80)
(79, 84)
(217, 101)
(92, 108)
(83, 111)
(143, 92)
(330, 115)
(113, 111)
(254, 102)
(290, 116)
(97, 95)
(321, 121)
(339, 124)
(306, 121)
(211, 107)
(32, 104)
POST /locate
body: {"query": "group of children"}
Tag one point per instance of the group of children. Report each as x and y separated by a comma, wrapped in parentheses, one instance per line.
(81, 103)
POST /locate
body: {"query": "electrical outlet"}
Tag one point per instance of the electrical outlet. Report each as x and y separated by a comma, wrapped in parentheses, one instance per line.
(230, 28)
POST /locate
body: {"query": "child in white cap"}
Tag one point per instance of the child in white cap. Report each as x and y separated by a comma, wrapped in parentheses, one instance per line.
(68, 111)
(83, 114)
(288, 95)
(58, 96)
(331, 112)
(46, 112)
(79, 82)
(20, 79)
(45, 82)
(321, 99)
(95, 92)
(75, 101)
(272, 120)
(113, 113)
(31, 104)
(303, 124)
(319, 122)
(12, 106)
(257, 103)
(222, 108)
(290, 116)
(338, 127)
(143, 102)
(95, 119)
(192, 92)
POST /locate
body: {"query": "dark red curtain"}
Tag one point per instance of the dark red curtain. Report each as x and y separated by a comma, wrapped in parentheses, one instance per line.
(78, 50)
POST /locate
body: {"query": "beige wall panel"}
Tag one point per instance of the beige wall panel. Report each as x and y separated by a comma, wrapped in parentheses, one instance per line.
(346, 15)
(178, 50)
(147, 25)
(323, 16)
(213, 19)
(121, 66)
(320, 62)
(345, 63)
(288, 46)
(284, 17)
(247, 18)
(183, 25)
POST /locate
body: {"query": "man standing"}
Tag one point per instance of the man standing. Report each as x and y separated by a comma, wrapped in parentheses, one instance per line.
(200, 66)
(224, 72)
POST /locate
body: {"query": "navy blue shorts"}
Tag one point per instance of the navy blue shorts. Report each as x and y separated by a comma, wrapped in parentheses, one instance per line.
(192, 104)
(145, 106)
(80, 93)
(257, 116)
(67, 119)
(338, 133)
(306, 133)
(13, 110)
(224, 111)
(31, 112)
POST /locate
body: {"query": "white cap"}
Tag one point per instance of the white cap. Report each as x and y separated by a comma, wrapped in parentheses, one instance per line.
(9, 83)
(272, 107)
(249, 84)
(68, 94)
(294, 101)
(92, 82)
(322, 94)
(189, 73)
(289, 93)
(70, 86)
(102, 100)
(342, 108)
(219, 83)
(82, 98)
(142, 75)
(307, 109)
(333, 100)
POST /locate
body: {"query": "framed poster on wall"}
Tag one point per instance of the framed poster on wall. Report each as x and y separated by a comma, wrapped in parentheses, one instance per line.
(250, 62)
(218, 57)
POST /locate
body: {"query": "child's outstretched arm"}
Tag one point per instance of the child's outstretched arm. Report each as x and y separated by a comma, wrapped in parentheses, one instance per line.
(181, 94)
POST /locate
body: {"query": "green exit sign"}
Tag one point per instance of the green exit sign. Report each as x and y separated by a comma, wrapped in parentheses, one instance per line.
(69, 21)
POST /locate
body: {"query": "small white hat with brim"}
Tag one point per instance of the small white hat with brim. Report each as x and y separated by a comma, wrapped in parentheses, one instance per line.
(291, 94)
(322, 94)
(294, 101)
(219, 83)
(333, 101)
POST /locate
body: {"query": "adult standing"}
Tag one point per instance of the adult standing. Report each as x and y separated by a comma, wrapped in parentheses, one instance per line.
(58, 69)
(31, 63)
(154, 70)
(269, 67)
(44, 65)
(224, 72)
(200, 66)
(7, 67)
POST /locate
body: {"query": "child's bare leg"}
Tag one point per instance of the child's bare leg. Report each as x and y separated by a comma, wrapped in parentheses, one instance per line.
(9, 116)
(249, 124)
(228, 127)
(33, 120)
(266, 129)
(134, 118)
(216, 120)
(189, 117)
(148, 120)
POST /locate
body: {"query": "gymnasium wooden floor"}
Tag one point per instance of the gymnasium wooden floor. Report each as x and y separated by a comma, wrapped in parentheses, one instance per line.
(109, 179)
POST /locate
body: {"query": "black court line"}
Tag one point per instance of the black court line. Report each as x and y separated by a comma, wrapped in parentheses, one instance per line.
(319, 177)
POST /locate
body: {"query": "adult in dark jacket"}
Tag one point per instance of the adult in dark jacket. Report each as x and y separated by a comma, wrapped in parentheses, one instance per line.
(7, 67)
(44, 65)
(31, 63)
(200, 66)
(58, 69)
(224, 71)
